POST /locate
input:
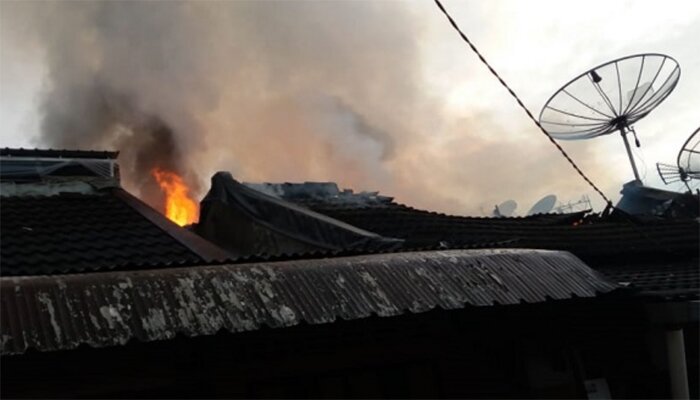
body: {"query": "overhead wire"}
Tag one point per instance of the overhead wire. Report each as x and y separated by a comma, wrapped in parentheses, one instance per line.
(638, 155)
(544, 131)
(521, 104)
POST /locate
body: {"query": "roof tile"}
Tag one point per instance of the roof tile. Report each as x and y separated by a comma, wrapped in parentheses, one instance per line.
(76, 232)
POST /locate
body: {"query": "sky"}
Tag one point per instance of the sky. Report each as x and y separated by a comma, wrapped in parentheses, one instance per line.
(378, 96)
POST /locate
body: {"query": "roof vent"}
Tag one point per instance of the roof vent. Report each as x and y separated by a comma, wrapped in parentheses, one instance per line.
(26, 165)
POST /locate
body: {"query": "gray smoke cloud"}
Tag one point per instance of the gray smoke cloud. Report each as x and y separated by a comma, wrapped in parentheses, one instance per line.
(272, 91)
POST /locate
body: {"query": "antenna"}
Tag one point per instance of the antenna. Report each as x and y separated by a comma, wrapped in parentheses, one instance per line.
(610, 98)
(544, 205)
(687, 165)
(505, 209)
(584, 203)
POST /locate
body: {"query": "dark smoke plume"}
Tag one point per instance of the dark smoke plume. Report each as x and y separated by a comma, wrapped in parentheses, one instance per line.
(106, 117)
(275, 91)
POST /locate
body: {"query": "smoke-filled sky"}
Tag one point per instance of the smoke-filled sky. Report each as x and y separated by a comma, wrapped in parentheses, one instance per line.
(379, 95)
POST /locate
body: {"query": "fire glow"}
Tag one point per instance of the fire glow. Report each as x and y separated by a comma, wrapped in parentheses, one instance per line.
(179, 206)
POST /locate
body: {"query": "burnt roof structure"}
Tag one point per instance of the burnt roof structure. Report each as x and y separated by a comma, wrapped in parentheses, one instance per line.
(72, 217)
(55, 242)
(85, 262)
(249, 222)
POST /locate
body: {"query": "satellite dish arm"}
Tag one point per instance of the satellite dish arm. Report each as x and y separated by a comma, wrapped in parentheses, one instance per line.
(629, 153)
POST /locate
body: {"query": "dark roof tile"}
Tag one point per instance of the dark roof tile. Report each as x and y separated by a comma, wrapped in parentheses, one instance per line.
(588, 238)
(77, 232)
(670, 279)
(616, 245)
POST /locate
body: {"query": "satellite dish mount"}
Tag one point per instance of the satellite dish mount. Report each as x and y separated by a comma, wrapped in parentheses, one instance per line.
(624, 129)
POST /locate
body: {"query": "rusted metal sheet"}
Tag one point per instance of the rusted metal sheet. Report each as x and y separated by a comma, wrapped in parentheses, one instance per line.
(105, 309)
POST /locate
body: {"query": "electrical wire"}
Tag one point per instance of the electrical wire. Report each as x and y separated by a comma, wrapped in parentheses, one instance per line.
(520, 103)
(637, 154)
(537, 123)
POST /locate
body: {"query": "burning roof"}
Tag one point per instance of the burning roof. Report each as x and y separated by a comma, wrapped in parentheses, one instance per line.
(64, 211)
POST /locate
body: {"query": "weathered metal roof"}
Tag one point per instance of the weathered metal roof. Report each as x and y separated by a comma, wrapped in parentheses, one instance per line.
(110, 308)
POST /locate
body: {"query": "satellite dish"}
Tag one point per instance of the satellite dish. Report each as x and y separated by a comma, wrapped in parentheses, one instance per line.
(505, 209)
(687, 165)
(610, 98)
(544, 205)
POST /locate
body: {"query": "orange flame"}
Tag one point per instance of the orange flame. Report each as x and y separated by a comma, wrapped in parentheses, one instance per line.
(179, 206)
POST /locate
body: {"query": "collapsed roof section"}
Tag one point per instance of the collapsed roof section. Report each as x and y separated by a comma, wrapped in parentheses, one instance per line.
(249, 222)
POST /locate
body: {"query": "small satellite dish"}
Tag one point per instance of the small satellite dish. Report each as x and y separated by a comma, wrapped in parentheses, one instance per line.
(505, 209)
(687, 165)
(544, 205)
(610, 98)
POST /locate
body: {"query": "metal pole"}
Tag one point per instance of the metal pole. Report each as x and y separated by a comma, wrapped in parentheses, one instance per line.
(676, 364)
(629, 153)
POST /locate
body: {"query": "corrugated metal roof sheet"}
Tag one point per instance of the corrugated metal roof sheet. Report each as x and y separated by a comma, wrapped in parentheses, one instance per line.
(103, 309)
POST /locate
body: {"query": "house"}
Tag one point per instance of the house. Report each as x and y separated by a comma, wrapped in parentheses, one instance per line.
(308, 291)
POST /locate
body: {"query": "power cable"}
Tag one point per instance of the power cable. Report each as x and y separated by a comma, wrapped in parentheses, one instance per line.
(520, 103)
(638, 155)
(544, 131)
